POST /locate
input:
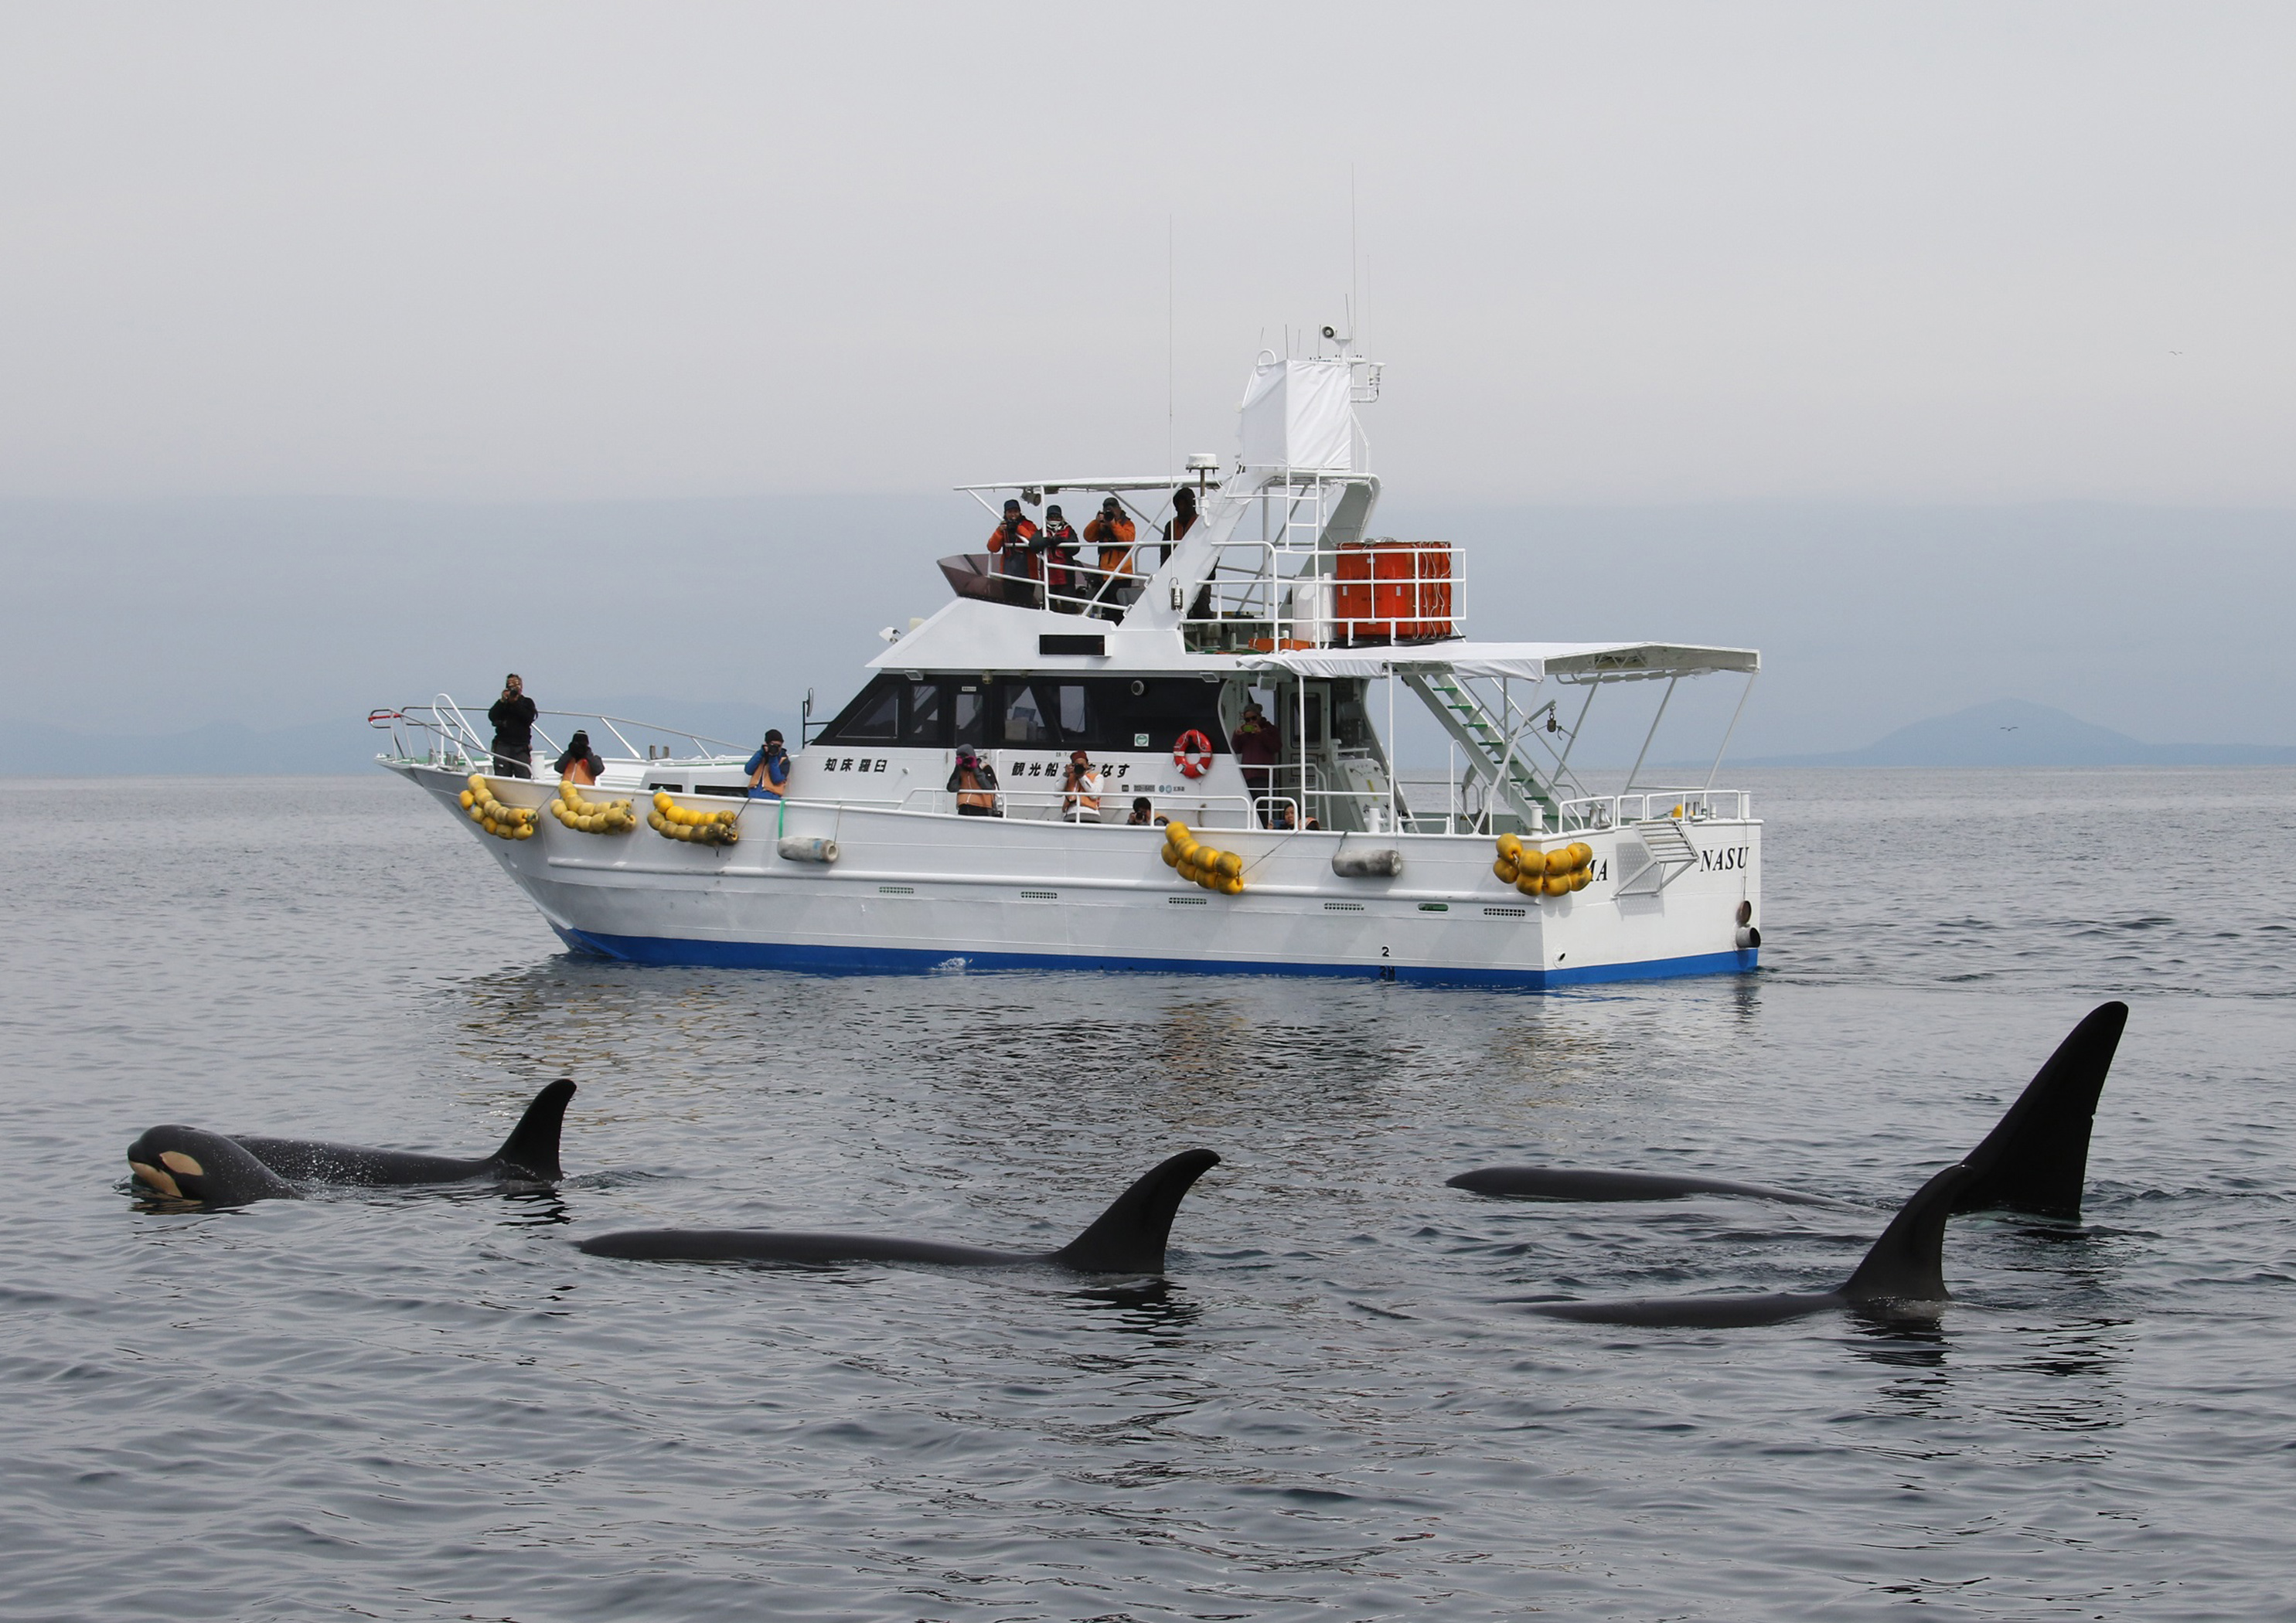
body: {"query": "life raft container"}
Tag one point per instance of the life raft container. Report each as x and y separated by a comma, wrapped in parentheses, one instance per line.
(1192, 753)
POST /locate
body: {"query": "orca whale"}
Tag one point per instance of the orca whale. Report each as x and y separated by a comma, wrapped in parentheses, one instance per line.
(2036, 1158)
(1902, 1276)
(1127, 1238)
(185, 1163)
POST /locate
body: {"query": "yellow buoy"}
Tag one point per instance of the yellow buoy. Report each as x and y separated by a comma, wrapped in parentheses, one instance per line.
(662, 802)
(1557, 884)
(1531, 884)
(1176, 831)
(1511, 850)
(1230, 864)
(1582, 878)
(467, 799)
(1558, 861)
(1231, 886)
(1505, 871)
(1581, 854)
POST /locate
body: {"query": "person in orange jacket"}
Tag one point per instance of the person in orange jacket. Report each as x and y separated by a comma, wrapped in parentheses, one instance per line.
(1014, 543)
(1113, 534)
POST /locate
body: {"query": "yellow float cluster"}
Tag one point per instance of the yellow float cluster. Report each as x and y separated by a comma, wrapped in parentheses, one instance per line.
(503, 822)
(1200, 864)
(672, 821)
(1537, 873)
(591, 817)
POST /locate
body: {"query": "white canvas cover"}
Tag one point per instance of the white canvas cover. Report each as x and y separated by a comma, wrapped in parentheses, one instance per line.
(1299, 415)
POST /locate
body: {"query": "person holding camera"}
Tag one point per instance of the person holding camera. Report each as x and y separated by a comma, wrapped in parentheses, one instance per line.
(974, 785)
(1060, 542)
(1080, 790)
(1113, 533)
(512, 715)
(1014, 541)
(769, 767)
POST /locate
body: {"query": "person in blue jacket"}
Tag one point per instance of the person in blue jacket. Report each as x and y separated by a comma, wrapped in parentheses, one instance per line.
(769, 768)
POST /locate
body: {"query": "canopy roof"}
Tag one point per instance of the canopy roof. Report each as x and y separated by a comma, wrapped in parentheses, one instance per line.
(1054, 487)
(1530, 661)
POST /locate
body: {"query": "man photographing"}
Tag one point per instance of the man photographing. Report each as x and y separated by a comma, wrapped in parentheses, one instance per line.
(513, 715)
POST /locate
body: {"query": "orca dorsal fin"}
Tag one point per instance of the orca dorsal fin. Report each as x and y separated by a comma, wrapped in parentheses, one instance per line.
(531, 1150)
(2036, 1158)
(1907, 1263)
(1130, 1236)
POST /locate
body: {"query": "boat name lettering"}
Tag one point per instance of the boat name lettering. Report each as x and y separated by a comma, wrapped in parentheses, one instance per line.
(1729, 859)
(849, 764)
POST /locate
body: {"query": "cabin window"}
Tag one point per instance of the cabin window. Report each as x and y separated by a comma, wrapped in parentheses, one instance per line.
(921, 712)
(869, 718)
(971, 713)
(1075, 728)
(1024, 718)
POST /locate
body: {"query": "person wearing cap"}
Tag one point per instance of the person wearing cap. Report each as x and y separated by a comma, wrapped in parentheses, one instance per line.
(769, 768)
(1014, 542)
(1112, 532)
(1258, 746)
(580, 764)
(1059, 544)
(1080, 790)
(974, 785)
(1183, 519)
(513, 715)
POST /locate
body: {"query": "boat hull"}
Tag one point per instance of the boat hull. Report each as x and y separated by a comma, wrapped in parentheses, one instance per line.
(919, 893)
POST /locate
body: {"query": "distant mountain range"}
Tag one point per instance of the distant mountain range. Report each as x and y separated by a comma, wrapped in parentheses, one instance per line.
(2017, 732)
(2006, 733)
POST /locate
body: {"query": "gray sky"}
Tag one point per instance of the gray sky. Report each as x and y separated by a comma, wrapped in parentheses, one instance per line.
(1613, 253)
(352, 351)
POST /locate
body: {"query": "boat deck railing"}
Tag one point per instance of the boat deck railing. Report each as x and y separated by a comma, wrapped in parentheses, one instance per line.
(438, 732)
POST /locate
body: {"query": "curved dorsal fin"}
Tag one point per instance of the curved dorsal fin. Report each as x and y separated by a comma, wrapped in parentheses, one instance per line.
(531, 1150)
(1907, 1263)
(1130, 1236)
(2036, 1158)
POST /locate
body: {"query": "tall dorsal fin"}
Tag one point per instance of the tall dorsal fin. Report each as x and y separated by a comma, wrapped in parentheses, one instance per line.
(2036, 1158)
(1130, 1236)
(1907, 1263)
(531, 1150)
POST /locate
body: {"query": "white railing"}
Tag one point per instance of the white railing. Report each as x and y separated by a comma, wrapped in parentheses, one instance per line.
(1643, 805)
(440, 734)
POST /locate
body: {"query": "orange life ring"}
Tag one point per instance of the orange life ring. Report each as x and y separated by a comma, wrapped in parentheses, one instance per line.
(1192, 753)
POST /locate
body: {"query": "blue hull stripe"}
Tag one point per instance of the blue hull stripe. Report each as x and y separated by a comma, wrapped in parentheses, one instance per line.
(920, 961)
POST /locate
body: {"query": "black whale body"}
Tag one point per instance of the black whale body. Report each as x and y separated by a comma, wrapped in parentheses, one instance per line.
(219, 1169)
(2035, 1160)
(1902, 1276)
(1129, 1238)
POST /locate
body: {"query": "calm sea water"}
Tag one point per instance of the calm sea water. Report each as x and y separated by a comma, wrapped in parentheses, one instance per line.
(431, 1405)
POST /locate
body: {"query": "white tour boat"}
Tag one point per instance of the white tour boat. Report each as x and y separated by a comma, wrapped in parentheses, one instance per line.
(1508, 870)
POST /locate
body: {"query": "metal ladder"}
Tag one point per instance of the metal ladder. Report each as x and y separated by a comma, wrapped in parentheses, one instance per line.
(1671, 854)
(1467, 720)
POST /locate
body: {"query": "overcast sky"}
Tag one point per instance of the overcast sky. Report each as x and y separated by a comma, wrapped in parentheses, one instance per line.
(1611, 253)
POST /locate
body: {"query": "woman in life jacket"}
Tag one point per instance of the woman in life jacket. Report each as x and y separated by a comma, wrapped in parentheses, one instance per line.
(1080, 790)
(974, 784)
(580, 764)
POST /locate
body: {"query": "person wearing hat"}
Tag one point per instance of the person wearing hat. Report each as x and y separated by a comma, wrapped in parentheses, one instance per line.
(1014, 542)
(513, 715)
(1112, 532)
(581, 765)
(974, 785)
(1063, 592)
(1258, 747)
(769, 767)
(1183, 519)
(1080, 790)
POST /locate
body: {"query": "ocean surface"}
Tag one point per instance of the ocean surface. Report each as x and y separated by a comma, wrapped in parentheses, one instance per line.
(425, 1405)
